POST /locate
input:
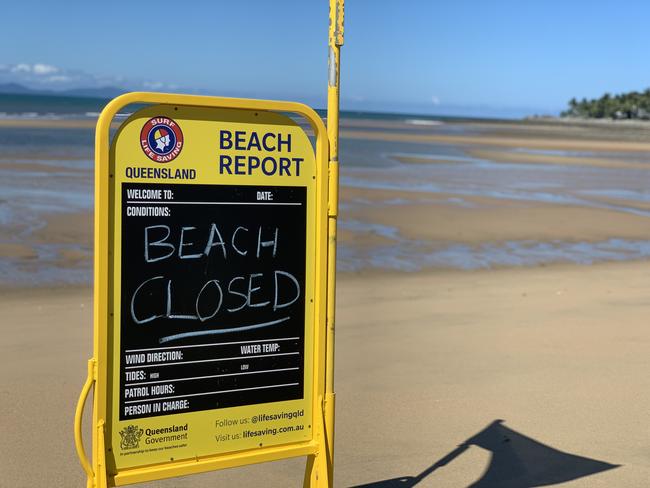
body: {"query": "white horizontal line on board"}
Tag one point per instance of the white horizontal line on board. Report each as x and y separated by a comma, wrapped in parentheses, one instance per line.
(210, 376)
(210, 360)
(163, 202)
(241, 328)
(211, 393)
(214, 344)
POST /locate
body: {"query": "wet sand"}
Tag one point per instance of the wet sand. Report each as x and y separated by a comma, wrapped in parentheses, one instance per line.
(496, 140)
(523, 158)
(491, 220)
(543, 134)
(54, 123)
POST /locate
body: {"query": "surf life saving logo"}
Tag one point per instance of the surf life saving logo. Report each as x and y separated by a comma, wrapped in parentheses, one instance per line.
(161, 139)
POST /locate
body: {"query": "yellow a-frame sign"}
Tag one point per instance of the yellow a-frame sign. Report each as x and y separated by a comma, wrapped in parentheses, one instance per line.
(215, 242)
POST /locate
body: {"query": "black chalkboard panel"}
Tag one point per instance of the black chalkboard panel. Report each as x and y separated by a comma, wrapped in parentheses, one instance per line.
(212, 297)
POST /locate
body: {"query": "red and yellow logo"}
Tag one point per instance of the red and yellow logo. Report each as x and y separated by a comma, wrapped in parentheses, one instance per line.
(161, 139)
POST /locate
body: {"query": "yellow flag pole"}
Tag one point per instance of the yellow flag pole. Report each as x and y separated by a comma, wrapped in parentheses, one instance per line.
(320, 468)
(319, 471)
(333, 93)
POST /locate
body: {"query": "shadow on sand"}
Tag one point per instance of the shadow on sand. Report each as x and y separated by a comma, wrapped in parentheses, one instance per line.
(517, 462)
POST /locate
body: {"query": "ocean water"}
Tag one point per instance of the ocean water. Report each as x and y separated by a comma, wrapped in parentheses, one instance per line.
(46, 171)
(49, 106)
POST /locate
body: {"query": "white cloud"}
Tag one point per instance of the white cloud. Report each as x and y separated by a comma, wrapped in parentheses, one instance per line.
(37, 68)
(59, 79)
(44, 69)
(43, 76)
(21, 68)
(153, 85)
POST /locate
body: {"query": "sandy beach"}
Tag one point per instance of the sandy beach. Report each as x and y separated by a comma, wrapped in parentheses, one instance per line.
(425, 361)
(453, 362)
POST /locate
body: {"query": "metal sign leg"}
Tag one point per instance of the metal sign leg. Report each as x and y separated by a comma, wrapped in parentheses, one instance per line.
(319, 466)
(78, 437)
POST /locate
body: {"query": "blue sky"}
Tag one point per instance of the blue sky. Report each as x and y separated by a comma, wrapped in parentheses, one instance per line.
(455, 57)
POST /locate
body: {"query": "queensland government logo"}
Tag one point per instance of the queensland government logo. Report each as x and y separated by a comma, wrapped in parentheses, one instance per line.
(161, 139)
(130, 437)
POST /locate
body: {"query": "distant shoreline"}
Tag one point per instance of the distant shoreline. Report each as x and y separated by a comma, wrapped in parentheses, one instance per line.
(53, 105)
(588, 121)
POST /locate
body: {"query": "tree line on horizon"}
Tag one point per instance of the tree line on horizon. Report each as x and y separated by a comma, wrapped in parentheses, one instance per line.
(632, 105)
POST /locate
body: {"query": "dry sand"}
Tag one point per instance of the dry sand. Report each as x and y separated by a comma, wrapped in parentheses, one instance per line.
(424, 362)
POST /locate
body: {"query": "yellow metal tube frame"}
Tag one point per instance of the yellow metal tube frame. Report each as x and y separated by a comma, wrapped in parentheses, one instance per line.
(78, 435)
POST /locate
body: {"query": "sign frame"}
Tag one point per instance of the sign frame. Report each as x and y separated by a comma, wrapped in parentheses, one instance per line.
(318, 466)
